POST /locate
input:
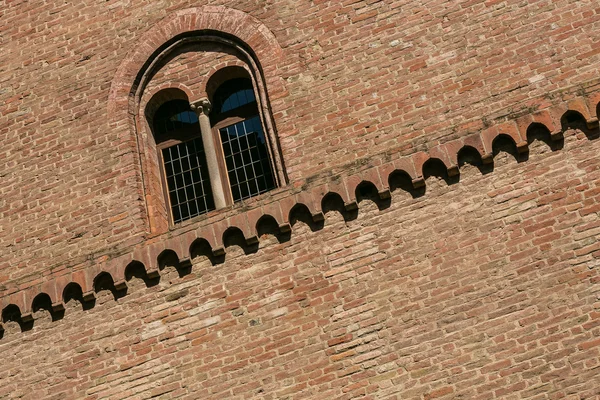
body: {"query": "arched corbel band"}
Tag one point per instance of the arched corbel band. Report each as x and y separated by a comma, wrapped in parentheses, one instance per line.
(210, 239)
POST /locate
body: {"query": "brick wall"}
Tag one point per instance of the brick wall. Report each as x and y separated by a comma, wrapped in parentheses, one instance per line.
(486, 288)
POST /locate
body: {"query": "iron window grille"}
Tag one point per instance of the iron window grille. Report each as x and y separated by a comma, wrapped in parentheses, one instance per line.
(240, 145)
(237, 123)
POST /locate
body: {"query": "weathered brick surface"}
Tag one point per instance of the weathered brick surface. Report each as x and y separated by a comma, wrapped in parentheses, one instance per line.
(484, 288)
(493, 295)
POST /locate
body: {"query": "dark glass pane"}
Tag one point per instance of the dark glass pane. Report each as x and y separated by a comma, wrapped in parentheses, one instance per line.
(250, 95)
(196, 177)
(191, 147)
(229, 162)
(194, 209)
(187, 178)
(181, 195)
(246, 157)
(188, 117)
(178, 181)
(258, 168)
(172, 116)
(235, 191)
(241, 173)
(185, 214)
(194, 162)
(173, 197)
(253, 187)
(176, 167)
(237, 159)
(176, 214)
(182, 151)
(168, 169)
(166, 155)
(168, 127)
(185, 164)
(199, 190)
(244, 191)
(224, 135)
(170, 181)
(233, 94)
(190, 193)
(249, 171)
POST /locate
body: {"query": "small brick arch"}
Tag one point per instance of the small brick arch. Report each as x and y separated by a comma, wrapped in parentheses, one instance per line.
(160, 95)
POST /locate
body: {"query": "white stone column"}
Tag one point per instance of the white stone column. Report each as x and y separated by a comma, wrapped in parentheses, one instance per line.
(202, 108)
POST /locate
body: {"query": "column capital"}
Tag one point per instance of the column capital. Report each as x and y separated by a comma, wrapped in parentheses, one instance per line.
(201, 106)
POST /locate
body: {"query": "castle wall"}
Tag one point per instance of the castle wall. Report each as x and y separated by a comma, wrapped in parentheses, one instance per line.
(359, 78)
(449, 280)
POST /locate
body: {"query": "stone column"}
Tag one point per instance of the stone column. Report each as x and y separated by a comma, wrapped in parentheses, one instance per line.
(202, 108)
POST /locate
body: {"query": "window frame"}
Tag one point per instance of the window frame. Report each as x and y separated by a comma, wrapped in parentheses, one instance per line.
(237, 115)
(217, 121)
(171, 141)
(223, 120)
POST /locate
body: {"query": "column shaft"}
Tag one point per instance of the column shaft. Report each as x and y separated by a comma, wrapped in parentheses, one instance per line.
(202, 109)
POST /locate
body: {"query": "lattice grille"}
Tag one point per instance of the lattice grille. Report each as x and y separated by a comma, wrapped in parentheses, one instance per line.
(187, 179)
(247, 159)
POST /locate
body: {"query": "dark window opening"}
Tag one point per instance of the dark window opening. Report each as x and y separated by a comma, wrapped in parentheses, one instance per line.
(233, 94)
(175, 118)
(243, 139)
(240, 153)
(186, 172)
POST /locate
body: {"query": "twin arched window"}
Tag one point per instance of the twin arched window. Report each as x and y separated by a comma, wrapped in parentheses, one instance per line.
(217, 161)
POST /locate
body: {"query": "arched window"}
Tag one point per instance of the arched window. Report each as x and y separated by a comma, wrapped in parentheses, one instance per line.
(186, 176)
(236, 119)
(213, 156)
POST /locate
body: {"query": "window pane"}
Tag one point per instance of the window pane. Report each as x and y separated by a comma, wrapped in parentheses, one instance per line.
(185, 164)
(176, 214)
(193, 208)
(188, 180)
(196, 177)
(186, 171)
(185, 214)
(194, 162)
(172, 116)
(233, 94)
(176, 166)
(168, 166)
(247, 160)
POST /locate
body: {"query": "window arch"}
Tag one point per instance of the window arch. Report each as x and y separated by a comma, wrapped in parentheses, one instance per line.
(135, 85)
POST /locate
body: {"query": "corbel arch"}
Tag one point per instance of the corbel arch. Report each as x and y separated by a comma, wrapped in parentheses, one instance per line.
(216, 24)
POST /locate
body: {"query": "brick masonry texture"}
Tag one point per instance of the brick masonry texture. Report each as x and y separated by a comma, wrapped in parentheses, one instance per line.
(449, 280)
